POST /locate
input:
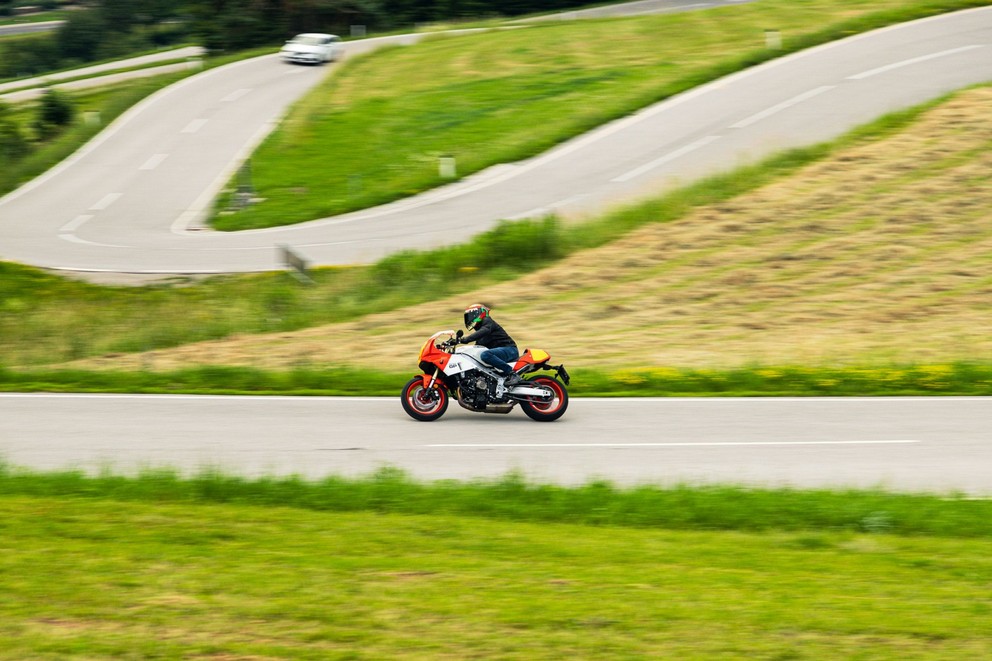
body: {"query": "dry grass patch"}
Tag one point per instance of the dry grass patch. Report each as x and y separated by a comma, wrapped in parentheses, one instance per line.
(879, 252)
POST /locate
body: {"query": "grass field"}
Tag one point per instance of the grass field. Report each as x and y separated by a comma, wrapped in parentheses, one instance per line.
(868, 257)
(865, 255)
(864, 266)
(374, 131)
(98, 576)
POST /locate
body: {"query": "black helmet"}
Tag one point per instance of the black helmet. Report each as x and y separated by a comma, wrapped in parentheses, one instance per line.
(474, 314)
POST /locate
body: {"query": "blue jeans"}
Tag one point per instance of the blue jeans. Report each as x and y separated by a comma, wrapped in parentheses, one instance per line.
(500, 357)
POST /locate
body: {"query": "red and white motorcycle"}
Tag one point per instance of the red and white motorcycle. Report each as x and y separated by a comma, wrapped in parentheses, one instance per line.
(453, 370)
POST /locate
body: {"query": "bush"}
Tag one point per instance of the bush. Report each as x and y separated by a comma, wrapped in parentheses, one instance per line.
(28, 55)
(13, 145)
(55, 112)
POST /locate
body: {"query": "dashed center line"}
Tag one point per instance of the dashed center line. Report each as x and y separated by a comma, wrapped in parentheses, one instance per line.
(194, 126)
(235, 95)
(154, 162)
(768, 112)
(682, 151)
(106, 201)
(915, 60)
(75, 223)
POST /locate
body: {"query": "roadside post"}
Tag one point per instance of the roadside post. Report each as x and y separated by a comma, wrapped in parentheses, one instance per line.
(446, 166)
(295, 263)
(245, 192)
(773, 39)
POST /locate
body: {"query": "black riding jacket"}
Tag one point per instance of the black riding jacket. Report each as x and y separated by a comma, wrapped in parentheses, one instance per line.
(490, 335)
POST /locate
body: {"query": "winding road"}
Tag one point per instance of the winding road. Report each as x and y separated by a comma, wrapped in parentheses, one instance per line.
(134, 200)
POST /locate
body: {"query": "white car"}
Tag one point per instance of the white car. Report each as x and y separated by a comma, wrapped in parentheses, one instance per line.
(312, 48)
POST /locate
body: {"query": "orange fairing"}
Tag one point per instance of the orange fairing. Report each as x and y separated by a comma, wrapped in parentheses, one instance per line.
(431, 354)
(532, 357)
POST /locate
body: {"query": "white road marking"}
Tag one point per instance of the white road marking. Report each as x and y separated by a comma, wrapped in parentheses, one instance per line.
(702, 444)
(76, 239)
(106, 201)
(154, 162)
(551, 208)
(682, 151)
(915, 60)
(194, 126)
(201, 205)
(237, 94)
(75, 223)
(768, 112)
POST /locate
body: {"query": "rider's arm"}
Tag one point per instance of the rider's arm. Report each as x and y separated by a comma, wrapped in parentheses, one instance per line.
(484, 330)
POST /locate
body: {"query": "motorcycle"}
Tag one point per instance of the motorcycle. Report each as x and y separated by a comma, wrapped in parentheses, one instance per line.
(450, 370)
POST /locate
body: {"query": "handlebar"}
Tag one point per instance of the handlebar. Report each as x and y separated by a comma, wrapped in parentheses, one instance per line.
(451, 342)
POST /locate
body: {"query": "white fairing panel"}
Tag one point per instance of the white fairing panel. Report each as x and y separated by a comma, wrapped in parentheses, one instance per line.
(463, 361)
(458, 364)
(473, 350)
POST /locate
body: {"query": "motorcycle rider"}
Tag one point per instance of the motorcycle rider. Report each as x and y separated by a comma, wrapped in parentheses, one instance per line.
(500, 347)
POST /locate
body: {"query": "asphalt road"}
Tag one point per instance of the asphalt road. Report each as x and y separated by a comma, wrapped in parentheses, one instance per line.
(101, 75)
(908, 444)
(28, 28)
(134, 200)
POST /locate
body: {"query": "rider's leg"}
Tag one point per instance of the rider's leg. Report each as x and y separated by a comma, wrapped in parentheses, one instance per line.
(498, 358)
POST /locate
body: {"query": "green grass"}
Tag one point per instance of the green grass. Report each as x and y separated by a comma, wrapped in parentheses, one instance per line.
(759, 380)
(36, 306)
(512, 498)
(213, 567)
(109, 103)
(374, 131)
(41, 17)
(151, 51)
(123, 69)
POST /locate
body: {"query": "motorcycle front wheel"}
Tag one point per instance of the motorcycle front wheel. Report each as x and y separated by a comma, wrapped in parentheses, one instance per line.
(546, 411)
(424, 404)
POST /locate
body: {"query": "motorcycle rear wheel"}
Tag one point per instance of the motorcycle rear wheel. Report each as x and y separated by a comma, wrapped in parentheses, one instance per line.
(547, 411)
(423, 404)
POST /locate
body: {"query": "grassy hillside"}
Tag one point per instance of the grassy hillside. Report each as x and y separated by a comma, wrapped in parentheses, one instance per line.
(866, 257)
(874, 254)
(374, 131)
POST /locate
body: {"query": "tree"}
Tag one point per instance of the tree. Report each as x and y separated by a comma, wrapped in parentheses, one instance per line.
(55, 112)
(80, 36)
(12, 143)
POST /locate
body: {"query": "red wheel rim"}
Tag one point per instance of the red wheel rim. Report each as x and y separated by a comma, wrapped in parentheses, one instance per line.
(424, 400)
(556, 402)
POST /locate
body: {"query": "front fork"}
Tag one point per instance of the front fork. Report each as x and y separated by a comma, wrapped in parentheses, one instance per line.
(430, 380)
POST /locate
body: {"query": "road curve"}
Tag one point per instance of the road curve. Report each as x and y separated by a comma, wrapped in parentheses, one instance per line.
(910, 444)
(133, 200)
